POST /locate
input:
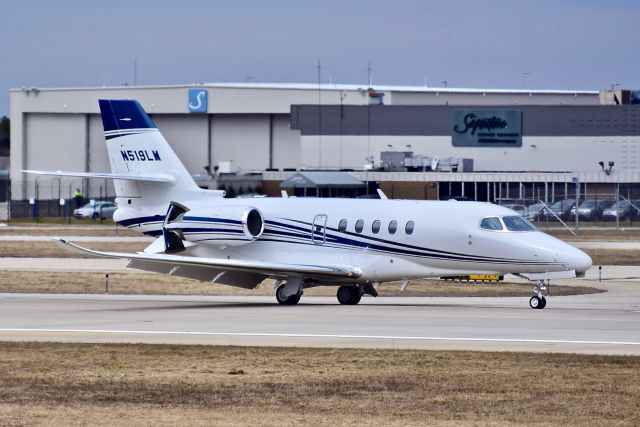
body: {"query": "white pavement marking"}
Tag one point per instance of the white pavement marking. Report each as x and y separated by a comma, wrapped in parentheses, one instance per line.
(332, 336)
(65, 264)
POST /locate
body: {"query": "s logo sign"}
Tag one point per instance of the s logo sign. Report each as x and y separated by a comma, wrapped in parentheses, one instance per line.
(197, 100)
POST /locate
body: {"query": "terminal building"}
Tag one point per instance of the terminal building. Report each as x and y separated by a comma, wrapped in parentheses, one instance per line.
(413, 142)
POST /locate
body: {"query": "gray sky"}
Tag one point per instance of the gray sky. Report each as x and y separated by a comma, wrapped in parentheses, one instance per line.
(564, 44)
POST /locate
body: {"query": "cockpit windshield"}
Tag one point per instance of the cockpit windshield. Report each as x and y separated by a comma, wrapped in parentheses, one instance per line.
(491, 223)
(517, 223)
(507, 223)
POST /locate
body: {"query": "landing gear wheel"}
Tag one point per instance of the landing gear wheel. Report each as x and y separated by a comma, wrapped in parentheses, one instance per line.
(349, 295)
(283, 299)
(544, 303)
(535, 302)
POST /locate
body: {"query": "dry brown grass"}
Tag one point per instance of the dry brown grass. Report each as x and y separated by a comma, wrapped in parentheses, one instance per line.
(69, 231)
(149, 284)
(157, 384)
(612, 235)
(614, 256)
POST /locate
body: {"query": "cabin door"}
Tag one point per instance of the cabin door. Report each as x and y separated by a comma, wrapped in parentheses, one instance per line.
(318, 229)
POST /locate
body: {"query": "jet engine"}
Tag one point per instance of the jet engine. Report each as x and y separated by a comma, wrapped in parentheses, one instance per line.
(220, 226)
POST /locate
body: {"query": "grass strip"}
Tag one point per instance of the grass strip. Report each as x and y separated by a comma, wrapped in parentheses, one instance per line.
(47, 383)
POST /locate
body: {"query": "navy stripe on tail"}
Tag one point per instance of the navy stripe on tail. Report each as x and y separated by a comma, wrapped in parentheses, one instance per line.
(124, 115)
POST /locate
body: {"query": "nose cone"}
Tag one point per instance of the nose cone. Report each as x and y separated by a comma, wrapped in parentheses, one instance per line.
(578, 261)
(562, 254)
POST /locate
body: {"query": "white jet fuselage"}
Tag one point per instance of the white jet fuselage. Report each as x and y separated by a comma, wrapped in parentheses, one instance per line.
(443, 238)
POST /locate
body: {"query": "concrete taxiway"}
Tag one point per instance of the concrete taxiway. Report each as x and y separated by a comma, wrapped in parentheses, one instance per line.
(606, 323)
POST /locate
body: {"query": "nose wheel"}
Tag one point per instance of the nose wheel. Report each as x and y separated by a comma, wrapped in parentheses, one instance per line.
(538, 301)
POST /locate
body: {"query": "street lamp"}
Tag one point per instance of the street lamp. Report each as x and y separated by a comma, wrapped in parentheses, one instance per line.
(524, 79)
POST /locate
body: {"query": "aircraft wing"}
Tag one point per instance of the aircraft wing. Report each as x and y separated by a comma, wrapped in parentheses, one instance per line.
(234, 272)
(156, 177)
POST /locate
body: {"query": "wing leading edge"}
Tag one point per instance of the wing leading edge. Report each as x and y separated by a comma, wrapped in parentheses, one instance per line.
(161, 178)
(234, 272)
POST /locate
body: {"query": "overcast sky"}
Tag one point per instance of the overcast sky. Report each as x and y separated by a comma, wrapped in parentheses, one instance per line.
(568, 44)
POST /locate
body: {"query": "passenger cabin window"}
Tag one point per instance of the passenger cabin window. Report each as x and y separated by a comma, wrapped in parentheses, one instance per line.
(393, 226)
(375, 227)
(491, 223)
(409, 227)
(359, 225)
(342, 226)
(517, 223)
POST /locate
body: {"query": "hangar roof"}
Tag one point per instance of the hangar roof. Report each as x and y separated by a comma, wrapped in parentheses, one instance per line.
(338, 87)
(322, 179)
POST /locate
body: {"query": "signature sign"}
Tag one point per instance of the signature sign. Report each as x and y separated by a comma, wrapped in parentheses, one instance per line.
(485, 128)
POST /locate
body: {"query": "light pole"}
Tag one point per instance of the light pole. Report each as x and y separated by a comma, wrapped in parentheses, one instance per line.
(524, 79)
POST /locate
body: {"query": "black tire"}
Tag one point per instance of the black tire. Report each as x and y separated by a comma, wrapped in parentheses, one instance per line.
(544, 303)
(535, 302)
(349, 295)
(356, 296)
(282, 300)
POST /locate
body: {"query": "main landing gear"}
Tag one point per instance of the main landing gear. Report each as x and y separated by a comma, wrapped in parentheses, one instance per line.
(538, 301)
(351, 295)
(289, 293)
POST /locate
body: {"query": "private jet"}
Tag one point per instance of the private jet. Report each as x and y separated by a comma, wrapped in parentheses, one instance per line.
(352, 244)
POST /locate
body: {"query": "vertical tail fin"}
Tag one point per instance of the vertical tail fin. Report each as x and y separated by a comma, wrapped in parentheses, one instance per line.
(136, 147)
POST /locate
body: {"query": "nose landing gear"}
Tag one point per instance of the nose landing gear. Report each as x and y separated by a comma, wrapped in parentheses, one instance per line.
(538, 301)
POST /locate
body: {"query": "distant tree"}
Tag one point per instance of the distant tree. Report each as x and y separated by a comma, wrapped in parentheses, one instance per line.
(5, 135)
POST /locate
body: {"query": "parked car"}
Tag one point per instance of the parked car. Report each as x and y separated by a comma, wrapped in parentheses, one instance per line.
(102, 210)
(622, 209)
(518, 208)
(535, 210)
(591, 210)
(561, 208)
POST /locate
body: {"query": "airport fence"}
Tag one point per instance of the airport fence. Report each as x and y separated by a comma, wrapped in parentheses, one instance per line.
(548, 205)
(573, 211)
(49, 196)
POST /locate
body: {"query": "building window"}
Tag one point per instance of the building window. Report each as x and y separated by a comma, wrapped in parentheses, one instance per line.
(359, 225)
(343, 225)
(393, 226)
(375, 227)
(409, 227)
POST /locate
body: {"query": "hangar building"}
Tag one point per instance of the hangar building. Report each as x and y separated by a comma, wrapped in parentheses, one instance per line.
(275, 129)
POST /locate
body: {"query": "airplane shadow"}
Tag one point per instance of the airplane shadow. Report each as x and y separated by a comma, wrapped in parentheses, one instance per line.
(234, 305)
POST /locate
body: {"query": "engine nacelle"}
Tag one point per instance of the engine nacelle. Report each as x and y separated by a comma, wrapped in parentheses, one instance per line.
(219, 226)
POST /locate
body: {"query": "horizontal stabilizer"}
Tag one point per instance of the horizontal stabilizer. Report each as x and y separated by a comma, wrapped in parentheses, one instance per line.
(155, 177)
(261, 267)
